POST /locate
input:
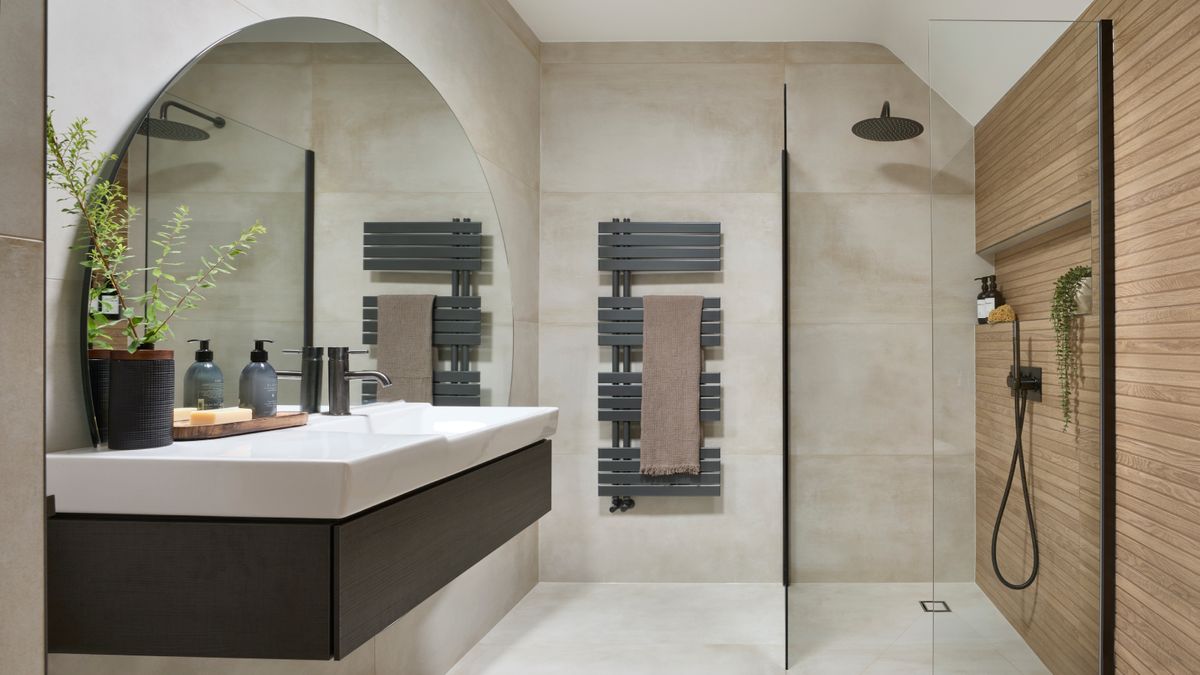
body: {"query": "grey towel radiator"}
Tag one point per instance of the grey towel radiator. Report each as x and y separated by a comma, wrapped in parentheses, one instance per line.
(455, 247)
(626, 247)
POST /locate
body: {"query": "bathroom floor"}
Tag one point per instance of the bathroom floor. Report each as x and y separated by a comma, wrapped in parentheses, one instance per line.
(726, 629)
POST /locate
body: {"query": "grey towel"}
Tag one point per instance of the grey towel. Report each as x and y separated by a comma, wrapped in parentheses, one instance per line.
(671, 363)
(405, 347)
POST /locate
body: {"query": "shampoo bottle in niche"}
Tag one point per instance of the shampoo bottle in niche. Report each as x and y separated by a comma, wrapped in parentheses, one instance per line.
(203, 383)
(258, 386)
(989, 298)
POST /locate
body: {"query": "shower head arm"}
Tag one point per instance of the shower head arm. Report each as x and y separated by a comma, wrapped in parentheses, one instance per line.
(218, 122)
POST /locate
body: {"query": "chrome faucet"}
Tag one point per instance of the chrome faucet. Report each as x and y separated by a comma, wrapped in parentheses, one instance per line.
(309, 376)
(340, 376)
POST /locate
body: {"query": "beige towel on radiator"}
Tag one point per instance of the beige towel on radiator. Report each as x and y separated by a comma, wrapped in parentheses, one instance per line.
(671, 364)
(405, 347)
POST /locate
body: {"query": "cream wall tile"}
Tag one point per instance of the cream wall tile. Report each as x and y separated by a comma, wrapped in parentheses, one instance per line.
(22, 560)
(63, 353)
(729, 539)
(569, 359)
(242, 53)
(432, 637)
(384, 128)
(838, 52)
(862, 258)
(524, 387)
(955, 265)
(865, 518)
(952, 147)
(487, 75)
(661, 127)
(272, 97)
(861, 389)
(516, 23)
(954, 523)
(954, 389)
(517, 208)
(825, 100)
(748, 285)
(662, 52)
(21, 31)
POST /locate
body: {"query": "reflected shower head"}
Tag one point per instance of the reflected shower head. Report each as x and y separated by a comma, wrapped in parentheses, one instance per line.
(887, 128)
(171, 131)
(177, 131)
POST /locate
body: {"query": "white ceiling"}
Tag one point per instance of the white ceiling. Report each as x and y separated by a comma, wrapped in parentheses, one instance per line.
(987, 59)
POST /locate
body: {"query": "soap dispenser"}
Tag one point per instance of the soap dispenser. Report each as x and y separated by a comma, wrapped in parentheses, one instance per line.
(983, 304)
(258, 387)
(994, 298)
(203, 383)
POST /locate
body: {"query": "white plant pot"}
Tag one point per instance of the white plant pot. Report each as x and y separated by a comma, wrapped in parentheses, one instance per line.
(1083, 297)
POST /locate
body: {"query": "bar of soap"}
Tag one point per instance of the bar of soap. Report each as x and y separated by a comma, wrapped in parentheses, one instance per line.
(220, 416)
(183, 414)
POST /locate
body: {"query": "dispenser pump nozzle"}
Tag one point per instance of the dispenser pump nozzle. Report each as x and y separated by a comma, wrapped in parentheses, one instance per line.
(203, 353)
(259, 354)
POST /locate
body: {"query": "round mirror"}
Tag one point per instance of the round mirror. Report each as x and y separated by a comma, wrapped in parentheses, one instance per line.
(381, 233)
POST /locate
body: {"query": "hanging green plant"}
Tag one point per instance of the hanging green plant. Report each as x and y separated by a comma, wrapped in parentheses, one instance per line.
(1062, 315)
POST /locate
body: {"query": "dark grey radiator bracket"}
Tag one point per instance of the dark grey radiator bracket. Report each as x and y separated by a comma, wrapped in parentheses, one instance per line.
(626, 247)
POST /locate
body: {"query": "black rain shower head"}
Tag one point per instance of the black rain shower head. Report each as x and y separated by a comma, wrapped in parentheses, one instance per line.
(887, 128)
(171, 131)
(177, 131)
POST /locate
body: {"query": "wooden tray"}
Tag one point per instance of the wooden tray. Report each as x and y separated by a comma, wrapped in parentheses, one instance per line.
(184, 431)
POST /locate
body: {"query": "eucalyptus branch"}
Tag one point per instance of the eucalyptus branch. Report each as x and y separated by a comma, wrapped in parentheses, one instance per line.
(72, 168)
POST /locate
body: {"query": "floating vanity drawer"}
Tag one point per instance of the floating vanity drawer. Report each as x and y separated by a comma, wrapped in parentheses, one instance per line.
(276, 588)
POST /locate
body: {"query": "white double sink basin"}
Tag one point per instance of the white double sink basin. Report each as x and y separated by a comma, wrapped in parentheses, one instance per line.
(332, 468)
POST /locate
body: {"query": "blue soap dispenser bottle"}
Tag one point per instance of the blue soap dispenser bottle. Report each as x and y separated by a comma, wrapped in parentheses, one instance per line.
(203, 383)
(258, 387)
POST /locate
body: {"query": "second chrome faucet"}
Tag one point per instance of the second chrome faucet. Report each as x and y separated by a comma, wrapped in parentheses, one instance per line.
(340, 376)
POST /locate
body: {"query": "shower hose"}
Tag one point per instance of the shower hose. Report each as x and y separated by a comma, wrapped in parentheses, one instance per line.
(1020, 401)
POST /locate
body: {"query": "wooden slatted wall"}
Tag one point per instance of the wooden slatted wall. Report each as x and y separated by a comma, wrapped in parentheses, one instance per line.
(1157, 82)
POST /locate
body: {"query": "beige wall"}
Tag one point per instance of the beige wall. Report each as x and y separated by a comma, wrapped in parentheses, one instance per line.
(22, 230)
(488, 74)
(663, 132)
(679, 131)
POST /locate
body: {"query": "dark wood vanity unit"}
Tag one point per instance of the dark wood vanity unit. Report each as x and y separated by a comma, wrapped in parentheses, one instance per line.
(274, 588)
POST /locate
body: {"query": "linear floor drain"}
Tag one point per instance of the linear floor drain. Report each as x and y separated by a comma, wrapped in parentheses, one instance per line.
(935, 606)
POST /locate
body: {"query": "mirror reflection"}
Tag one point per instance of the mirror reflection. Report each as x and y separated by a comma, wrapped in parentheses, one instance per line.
(381, 231)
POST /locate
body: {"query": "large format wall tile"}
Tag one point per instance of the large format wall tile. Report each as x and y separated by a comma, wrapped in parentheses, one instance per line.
(748, 284)
(862, 518)
(729, 539)
(661, 127)
(861, 389)
(860, 258)
(22, 561)
(384, 128)
(825, 100)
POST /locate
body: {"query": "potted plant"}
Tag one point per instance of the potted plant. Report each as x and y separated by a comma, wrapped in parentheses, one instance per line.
(1072, 296)
(141, 390)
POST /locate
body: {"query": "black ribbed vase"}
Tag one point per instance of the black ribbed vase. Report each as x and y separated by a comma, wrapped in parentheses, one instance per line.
(141, 396)
(99, 361)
